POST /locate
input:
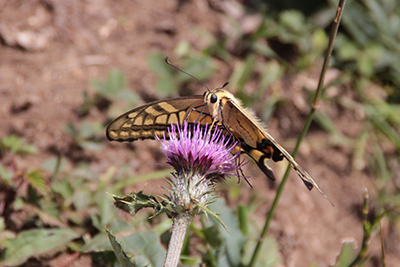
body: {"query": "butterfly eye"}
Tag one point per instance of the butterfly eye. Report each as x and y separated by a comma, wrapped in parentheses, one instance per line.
(213, 98)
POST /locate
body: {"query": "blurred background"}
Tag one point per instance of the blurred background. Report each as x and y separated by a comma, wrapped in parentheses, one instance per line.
(69, 67)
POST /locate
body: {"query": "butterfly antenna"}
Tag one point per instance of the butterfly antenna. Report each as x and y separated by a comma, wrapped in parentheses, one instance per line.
(190, 75)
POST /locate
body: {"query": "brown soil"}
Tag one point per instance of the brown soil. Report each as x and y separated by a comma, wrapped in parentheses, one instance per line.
(51, 49)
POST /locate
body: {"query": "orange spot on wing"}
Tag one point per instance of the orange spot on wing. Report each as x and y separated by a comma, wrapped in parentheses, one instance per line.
(269, 150)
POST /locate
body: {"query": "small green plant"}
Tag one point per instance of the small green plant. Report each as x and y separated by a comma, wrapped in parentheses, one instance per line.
(16, 145)
(10, 147)
(88, 136)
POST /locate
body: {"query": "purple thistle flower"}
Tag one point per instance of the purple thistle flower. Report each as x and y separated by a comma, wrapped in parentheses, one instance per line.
(200, 159)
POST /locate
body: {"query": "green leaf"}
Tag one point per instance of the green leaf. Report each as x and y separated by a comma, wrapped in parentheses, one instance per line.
(37, 180)
(348, 50)
(382, 125)
(129, 96)
(101, 242)
(28, 149)
(243, 219)
(49, 214)
(17, 145)
(71, 130)
(5, 174)
(136, 201)
(214, 236)
(157, 64)
(100, 86)
(80, 198)
(54, 164)
(34, 243)
(88, 130)
(319, 40)
(12, 143)
(270, 257)
(271, 73)
(347, 253)
(92, 146)
(182, 49)
(146, 247)
(122, 257)
(106, 209)
(214, 215)
(234, 239)
(62, 187)
(293, 20)
(242, 73)
(116, 81)
(115, 84)
(201, 67)
(166, 86)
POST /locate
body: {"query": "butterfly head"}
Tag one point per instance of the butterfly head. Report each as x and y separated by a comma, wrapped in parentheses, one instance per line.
(212, 99)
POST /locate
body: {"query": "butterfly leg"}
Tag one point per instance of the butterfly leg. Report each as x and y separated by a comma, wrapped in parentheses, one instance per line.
(211, 128)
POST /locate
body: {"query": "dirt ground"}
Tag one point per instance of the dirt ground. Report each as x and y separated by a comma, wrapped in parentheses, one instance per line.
(51, 49)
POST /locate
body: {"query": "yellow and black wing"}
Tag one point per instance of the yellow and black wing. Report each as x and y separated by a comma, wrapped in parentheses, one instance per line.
(155, 118)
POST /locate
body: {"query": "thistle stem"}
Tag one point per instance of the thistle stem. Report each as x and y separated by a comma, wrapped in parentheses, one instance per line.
(179, 229)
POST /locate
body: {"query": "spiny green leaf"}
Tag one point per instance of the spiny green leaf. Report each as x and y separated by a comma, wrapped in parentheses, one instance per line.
(136, 201)
(101, 242)
(214, 215)
(121, 255)
(146, 246)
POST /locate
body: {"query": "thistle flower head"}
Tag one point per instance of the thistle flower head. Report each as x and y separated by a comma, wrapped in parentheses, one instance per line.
(200, 158)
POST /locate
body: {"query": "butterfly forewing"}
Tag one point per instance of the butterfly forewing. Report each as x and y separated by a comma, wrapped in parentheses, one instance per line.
(155, 118)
